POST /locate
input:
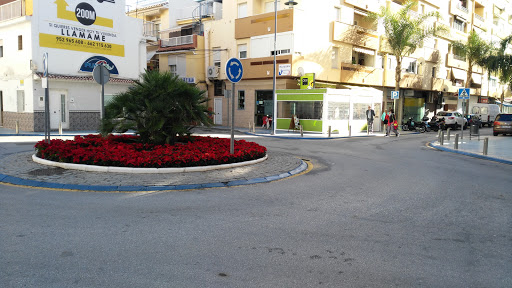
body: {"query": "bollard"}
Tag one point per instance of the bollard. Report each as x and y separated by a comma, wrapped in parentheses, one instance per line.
(301, 131)
(441, 140)
(456, 144)
(349, 131)
(439, 133)
(329, 131)
(60, 127)
(486, 145)
(17, 127)
(448, 134)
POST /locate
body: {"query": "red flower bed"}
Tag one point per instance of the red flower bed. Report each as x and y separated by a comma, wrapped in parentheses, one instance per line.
(125, 151)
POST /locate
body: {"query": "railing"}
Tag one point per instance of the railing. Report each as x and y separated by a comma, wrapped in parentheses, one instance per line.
(479, 17)
(462, 8)
(12, 10)
(150, 29)
(177, 41)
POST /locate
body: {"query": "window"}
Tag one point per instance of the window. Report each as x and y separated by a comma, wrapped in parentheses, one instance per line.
(242, 51)
(20, 42)
(459, 25)
(21, 101)
(1, 48)
(218, 87)
(173, 69)
(433, 72)
(337, 14)
(458, 54)
(335, 57)
(63, 107)
(241, 99)
(269, 6)
(242, 10)
(279, 52)
(216, 56)
(412, 67)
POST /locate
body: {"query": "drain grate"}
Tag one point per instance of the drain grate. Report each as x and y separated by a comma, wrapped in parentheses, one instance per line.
(47, 172)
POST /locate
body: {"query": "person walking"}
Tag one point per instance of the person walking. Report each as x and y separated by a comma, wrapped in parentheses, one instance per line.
(392, 124)
(370, 114)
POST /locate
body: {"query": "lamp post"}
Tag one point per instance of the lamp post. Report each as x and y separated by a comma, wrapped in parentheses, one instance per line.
(290, 4)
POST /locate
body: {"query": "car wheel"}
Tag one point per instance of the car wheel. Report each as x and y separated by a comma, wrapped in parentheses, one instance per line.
(495, 133)
(465, 126)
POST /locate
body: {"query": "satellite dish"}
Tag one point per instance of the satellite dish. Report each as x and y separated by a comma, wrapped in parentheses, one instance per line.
(300, 71)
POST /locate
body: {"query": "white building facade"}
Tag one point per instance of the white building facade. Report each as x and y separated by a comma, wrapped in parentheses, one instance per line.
(77, 35)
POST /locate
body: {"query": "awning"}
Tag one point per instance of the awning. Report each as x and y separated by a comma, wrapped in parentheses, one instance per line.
(477, 78)
(364, 50)
(150, 55)
(459, 74)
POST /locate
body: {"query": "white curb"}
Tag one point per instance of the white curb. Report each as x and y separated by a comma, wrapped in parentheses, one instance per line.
(113, 169)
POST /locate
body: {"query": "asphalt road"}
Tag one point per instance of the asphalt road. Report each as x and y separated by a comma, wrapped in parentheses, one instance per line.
(373, 212)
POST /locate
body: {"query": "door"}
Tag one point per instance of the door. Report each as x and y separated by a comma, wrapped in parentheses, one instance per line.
(58, 109)
(218, 111)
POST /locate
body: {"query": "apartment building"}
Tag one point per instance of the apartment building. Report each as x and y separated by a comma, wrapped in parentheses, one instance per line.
(76, 36)
(332, 40)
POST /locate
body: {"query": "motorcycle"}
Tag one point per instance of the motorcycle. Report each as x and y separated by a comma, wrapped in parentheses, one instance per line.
(434, 124)
(412, 125)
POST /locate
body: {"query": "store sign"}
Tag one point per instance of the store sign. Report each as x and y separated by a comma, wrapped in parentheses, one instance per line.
(285, 69)
(89, 64)
(81, 26)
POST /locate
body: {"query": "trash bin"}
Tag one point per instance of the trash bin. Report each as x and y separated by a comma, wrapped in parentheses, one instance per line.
(474, 129)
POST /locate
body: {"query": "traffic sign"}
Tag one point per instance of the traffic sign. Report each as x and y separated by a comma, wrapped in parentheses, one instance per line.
(101, 74)
(45, 64)
(234, 70)
(395, 95)
(464, 93)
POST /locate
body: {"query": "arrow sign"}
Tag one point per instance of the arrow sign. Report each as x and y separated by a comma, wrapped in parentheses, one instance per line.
(464, 93)
(234, 70)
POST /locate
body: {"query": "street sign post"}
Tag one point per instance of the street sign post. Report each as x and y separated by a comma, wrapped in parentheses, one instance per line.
(464, 94)
(46, 99)
(101, 75)
(234, 72)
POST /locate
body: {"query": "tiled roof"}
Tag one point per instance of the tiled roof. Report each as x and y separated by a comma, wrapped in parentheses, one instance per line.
(83, 78)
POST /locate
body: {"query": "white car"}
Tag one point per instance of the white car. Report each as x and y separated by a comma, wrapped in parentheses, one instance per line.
(453, 119)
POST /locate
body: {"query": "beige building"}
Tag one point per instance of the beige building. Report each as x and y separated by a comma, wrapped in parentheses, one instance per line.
(331, 39)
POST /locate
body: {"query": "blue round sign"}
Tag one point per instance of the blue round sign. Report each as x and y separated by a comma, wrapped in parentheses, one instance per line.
(234, 70)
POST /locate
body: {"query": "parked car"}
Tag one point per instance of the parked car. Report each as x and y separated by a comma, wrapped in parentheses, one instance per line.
(486, 112)
(502, 124)
(473, 119)
(453, 119)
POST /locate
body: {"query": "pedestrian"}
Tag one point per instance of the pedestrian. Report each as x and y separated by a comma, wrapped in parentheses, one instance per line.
(392, 123)
(370, 114)
(265, 122)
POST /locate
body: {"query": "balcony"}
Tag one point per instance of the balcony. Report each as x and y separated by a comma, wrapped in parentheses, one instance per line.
(263, 24)
(257, 68)
(150, 30)
(369, 5)
(456, 61)
(209, 10)
(448, 35)
(355, 35)
(479, 21)
(187, 42)
(359, 74)
(12, 10)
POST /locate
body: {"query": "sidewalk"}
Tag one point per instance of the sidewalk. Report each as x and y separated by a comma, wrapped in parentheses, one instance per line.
(499, 147)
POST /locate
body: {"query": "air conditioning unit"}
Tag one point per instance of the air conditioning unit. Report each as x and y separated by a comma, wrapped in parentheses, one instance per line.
(213, 72)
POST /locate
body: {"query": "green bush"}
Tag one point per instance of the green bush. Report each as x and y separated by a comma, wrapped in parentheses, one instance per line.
(159, 107)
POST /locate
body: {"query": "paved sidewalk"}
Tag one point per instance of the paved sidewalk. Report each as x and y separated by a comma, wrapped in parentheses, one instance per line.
(499, 147)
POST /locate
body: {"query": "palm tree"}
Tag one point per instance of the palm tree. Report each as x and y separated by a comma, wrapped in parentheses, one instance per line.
(476, 50)
(405, 32)
(501, 63)
(160, 107)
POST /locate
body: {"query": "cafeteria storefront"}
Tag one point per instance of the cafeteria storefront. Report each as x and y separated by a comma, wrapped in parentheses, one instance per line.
(344, 110)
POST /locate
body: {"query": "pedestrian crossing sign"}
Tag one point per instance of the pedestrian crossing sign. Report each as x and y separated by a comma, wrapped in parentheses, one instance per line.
(464, 93)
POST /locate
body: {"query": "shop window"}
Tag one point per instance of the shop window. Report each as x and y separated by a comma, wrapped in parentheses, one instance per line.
(241, 99)
(360, 111)
(302, 109)
(20, 42)
(338, 110)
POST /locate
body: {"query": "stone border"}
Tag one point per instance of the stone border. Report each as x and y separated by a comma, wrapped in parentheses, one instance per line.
(113, 169)
(479, 156)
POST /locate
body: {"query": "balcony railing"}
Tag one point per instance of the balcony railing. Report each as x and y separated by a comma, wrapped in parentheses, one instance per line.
(479, 17)
(177, 41)
(12, 10)
(462, 8)
(150, 29)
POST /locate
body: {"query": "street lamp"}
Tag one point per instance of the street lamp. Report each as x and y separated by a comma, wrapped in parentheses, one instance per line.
(290, 4)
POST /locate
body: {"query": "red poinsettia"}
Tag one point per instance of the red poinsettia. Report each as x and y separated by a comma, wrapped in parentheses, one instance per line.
(126, 151)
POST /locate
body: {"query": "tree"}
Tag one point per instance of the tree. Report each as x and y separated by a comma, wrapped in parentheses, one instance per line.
(160, 107)
(501, 63)
(476, 50)
(405, 32)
